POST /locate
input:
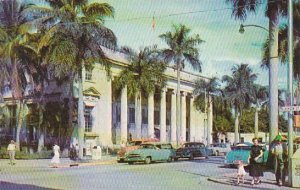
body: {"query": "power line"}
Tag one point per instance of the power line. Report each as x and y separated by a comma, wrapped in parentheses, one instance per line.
(191, 12)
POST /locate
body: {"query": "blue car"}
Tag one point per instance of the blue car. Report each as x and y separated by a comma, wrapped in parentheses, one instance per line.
(241, 152)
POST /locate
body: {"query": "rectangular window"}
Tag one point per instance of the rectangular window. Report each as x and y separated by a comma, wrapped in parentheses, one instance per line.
(144, 116)
(156, 117)
(88, 118)
(88, 74)
(131, 115)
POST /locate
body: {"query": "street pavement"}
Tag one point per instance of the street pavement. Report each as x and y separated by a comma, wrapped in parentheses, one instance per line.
(107, 174)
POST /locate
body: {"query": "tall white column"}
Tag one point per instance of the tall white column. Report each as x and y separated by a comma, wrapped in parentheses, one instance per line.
(151, 115)
(192, 120)
(173, 117)
(124, 115)
(138, 115)
(183, 117)
(163, 115)
(210, 121)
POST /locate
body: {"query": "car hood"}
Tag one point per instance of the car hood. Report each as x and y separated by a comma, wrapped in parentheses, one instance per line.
(138, 151)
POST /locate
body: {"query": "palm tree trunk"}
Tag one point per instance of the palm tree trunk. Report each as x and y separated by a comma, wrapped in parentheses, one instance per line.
(138, 115)
(41, 133)
(273, 75)
(256, 123)
(19, 122)
(81, 124)
(178, 110)
(236, 128)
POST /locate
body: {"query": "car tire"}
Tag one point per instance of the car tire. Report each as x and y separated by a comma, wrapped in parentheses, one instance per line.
(170, 159)
(130, 163)
(148, 160)
(191, 157)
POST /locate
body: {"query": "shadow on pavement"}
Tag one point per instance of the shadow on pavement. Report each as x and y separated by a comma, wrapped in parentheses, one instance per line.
(9, 186)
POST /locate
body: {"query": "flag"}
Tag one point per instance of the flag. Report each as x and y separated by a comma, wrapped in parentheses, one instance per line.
(153, 23)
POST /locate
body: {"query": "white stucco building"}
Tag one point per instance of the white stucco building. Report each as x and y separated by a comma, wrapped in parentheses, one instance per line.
(110, 119)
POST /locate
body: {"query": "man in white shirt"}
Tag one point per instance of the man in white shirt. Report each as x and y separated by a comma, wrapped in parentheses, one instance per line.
(12, 151)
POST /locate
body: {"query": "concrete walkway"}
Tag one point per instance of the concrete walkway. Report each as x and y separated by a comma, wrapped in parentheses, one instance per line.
(64, 162)
(268, 182)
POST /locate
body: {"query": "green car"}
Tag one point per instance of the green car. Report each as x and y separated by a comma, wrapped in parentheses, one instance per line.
(151, 152)
(242, 152)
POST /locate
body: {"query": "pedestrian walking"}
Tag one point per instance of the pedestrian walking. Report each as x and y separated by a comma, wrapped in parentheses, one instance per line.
(280, 153)
(240, 171)
(255, 161)
(11, 149)
(55, 160)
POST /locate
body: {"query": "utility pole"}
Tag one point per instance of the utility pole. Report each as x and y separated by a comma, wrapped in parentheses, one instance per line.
(290, 87)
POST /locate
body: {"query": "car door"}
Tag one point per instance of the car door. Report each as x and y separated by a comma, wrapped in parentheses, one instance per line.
(166, 151)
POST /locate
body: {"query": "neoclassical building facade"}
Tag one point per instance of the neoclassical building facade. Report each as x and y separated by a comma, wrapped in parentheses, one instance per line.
(111, 119)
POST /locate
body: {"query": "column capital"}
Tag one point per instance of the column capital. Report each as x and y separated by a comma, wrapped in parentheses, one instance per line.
(183, 93)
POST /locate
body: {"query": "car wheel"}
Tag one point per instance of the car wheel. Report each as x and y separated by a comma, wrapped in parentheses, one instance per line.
(170, 159)
(191, 157)
(148, 160)
(130, 163)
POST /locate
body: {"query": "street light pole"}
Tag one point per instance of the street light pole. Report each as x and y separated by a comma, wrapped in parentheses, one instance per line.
(290, 87)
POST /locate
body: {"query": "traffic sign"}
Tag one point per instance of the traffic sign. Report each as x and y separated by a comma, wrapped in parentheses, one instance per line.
(289, 108)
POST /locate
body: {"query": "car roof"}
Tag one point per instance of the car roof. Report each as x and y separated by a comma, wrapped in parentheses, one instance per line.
(155, 143)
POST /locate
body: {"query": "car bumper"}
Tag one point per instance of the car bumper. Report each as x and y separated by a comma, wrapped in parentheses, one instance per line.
(135, 159)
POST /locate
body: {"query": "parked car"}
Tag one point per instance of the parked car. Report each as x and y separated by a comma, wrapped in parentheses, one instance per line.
(241, 152)
(192, 150)
(132, 145)
(151, 152)
(220, 148)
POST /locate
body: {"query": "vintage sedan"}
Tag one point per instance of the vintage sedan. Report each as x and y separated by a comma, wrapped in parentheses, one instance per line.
(132, 145)
(241, 152)
(191, 150)
(151, 152)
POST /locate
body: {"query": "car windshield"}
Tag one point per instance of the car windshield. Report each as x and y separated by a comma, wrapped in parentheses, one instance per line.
(134, 143)
(147, 146)
(241, 148)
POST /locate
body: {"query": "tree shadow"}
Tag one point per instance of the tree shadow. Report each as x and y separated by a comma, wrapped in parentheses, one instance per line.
(9, 186)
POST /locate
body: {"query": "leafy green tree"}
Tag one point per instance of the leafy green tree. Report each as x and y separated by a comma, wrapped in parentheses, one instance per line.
(17, 55)
(75, 40)
(144, 75)
(182, 49)
(239, 91)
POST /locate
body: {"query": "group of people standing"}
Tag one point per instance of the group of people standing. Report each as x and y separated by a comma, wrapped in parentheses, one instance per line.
(278, 156)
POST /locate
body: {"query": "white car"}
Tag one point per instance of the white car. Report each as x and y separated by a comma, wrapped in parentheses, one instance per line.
(220, 149)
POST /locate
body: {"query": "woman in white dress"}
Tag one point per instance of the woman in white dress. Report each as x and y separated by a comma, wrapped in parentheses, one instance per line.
(55, 160)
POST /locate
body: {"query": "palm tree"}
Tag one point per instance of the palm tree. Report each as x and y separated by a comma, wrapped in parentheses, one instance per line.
(74, 40)
(17, 56)
(273, 11)
(208, 88)
(144, 75)
(182, 50)
(283, 43)
(239, 91)
(260, 97)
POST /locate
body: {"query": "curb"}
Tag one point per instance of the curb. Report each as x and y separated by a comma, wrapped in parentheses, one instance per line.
(76, 164)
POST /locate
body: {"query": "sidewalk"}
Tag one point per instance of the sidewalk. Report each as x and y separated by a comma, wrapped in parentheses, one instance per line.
(268, 182)
(64, 162)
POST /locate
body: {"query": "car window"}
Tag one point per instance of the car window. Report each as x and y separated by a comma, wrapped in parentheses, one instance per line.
(138, 143)
(166, 146)
(147, 146)
(158, 146)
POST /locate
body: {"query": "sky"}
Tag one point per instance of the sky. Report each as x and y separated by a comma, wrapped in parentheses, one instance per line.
(224, 46)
